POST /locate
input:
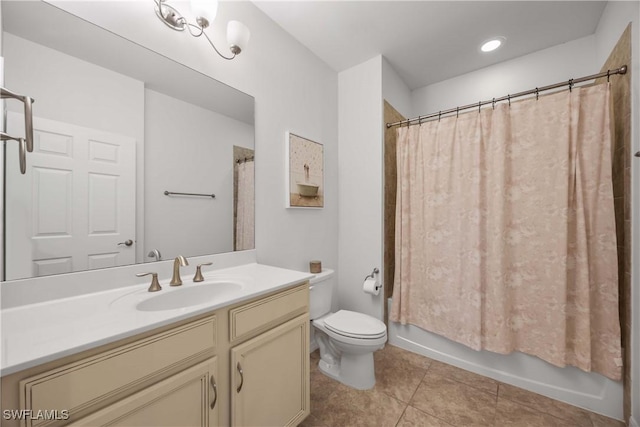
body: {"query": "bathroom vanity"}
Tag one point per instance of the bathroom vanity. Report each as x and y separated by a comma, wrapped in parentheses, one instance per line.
(238, 359)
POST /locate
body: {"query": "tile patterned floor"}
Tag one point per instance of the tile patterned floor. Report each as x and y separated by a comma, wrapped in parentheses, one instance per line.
(412, 390)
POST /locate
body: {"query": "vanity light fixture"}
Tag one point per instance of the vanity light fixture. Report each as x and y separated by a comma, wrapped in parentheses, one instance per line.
(205, 12)
(492, 44)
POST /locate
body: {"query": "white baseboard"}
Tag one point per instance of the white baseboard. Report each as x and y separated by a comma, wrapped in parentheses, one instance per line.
(633, 422)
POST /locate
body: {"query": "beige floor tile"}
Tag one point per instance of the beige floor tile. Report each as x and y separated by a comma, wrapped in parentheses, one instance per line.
(397, 378)
(454, 402)
(558, 409)
(466, 377)
(321, 388)
(511, 414)
(311, 421)
(399, 355)
(447, 396)
(348, 407)
(413, 417)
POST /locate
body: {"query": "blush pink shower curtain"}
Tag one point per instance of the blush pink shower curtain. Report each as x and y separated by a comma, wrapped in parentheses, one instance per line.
(505, 230)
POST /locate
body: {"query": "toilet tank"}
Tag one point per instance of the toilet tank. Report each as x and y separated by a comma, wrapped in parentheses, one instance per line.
(320, 293)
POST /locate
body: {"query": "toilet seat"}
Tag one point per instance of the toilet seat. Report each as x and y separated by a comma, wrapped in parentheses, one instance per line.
(355, 325)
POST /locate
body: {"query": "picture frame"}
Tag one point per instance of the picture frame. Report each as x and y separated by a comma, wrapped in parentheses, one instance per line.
(304, 172)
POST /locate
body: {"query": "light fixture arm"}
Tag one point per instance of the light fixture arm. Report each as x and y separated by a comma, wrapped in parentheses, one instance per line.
(173, 19)
(228, 58)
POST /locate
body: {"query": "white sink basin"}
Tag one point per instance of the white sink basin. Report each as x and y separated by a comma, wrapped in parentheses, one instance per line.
(187, 296)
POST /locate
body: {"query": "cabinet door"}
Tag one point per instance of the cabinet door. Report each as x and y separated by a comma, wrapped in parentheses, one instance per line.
(188, 398)
(270, 377)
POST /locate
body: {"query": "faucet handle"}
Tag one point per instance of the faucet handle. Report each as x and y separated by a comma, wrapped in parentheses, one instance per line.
(155, 285)
(198, 277)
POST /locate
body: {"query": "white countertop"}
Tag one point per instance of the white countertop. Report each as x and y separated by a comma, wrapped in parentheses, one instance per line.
(33, 334)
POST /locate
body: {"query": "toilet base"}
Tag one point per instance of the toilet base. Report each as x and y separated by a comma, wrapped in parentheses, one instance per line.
(353, 370)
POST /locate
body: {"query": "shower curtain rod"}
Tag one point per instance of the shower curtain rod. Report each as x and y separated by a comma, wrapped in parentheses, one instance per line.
(244, 160)
(536, 91)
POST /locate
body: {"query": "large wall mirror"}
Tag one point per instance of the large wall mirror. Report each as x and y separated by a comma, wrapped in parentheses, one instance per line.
(116, 127)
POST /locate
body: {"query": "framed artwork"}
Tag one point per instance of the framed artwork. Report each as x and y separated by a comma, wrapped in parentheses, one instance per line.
(305, 172)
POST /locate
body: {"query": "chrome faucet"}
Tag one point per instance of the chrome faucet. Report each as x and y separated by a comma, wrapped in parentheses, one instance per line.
(179, 261)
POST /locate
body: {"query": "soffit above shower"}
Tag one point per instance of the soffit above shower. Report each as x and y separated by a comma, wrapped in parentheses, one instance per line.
(430, 41)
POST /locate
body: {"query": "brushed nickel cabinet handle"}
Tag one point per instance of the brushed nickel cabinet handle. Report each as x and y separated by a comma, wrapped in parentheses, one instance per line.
(215, 392)
(239, 367)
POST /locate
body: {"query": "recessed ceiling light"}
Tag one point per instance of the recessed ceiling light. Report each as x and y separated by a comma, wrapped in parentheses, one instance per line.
(493, 44)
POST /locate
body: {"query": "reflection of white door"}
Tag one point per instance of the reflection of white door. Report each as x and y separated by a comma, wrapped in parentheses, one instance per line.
(75, 204)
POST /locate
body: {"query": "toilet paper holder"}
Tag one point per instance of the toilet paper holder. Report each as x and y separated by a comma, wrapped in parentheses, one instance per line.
(373, 273)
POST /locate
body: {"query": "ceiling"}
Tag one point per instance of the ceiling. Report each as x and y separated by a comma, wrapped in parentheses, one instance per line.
(430, 41)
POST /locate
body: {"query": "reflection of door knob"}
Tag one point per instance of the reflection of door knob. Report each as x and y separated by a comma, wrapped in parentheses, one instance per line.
(126, 243)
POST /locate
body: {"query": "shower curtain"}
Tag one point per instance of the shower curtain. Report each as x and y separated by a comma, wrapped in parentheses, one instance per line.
(245, 214)
(505, 230)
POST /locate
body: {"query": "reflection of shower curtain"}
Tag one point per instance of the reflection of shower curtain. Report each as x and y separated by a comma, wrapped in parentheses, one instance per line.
(245, 211)
(505, 230)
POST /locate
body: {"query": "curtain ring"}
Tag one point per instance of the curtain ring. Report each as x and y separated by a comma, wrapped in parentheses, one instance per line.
(457, 112)
(493, 104)
(439, 115)
(608, 75)
(537, 94)
(420, 120)
(479, 104)
(509, 98)
(570, 85)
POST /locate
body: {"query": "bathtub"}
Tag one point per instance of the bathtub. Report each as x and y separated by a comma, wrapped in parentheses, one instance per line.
(571, 385)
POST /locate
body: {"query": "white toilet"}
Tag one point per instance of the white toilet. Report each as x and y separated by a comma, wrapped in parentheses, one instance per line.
(346, 339)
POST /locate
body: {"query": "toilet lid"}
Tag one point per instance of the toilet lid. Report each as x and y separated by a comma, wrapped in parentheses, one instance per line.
(354, 324)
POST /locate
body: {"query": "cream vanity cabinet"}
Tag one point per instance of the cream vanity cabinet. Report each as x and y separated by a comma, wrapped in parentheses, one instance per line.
(247, 364)
(270, 372)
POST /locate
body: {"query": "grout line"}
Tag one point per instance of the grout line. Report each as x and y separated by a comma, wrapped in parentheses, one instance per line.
(401, 415)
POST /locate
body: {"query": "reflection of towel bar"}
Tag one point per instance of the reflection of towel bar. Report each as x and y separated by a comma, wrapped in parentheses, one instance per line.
(171, 193)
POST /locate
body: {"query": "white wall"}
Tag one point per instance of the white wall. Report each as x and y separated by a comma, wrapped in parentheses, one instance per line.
(179, 133)
(64, 89)
(559, 63)
(548, 66)
(613, 22)
(293, 90)
(360, 170)
(395, 91)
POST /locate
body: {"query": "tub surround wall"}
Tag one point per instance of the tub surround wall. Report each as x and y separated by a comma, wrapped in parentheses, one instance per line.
(611, 47)
(391, 115)
(622, 157)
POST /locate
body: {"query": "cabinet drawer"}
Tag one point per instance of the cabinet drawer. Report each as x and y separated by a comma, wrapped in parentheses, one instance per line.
(184, 399)
(258, 316)
(76, 386)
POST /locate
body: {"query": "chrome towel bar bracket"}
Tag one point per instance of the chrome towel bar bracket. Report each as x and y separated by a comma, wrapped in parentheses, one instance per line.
(26, 143)
(28, 114)
(22, 150)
